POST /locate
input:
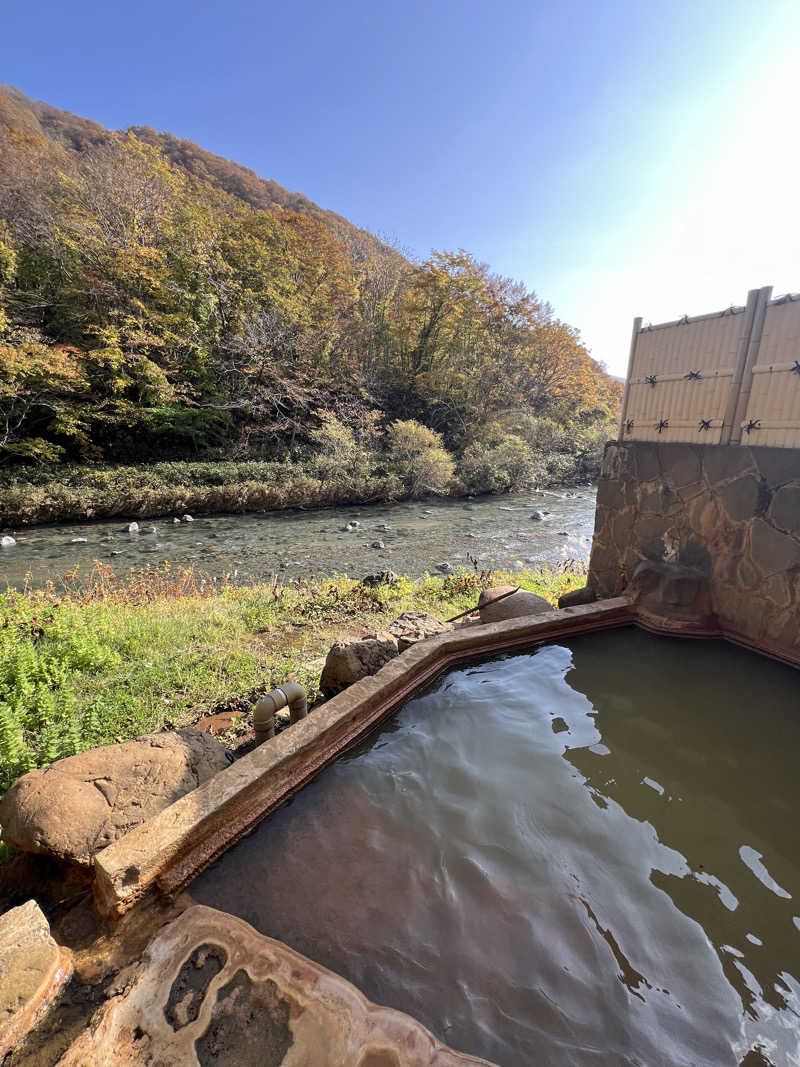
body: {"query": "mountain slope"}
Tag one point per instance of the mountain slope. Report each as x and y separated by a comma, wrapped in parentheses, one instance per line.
(157, 300)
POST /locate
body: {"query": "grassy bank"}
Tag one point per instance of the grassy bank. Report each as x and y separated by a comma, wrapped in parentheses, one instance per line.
(114, 659)
(30, 495)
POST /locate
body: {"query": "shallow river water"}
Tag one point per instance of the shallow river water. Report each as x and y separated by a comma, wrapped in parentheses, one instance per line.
(497, 531)
(583, 855)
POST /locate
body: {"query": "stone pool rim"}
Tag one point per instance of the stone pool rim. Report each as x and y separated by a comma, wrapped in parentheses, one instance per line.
(167, 851)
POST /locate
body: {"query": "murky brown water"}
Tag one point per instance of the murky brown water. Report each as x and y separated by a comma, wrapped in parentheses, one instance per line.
(497, 531)
(585, 855)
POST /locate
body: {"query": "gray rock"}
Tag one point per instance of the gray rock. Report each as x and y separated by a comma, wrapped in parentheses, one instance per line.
(186, 518)
(772, 550)
(537, 516)
(785, 509)
(377, 544)
(116, 552)
(7, 542)
(383, 527)
(445, 568)
(414, 626)
(147, 530)
(348, 661)
(78, 805)
(132, 527)
(79, 541)
(384, 578)
(740, 498)
(176, 521)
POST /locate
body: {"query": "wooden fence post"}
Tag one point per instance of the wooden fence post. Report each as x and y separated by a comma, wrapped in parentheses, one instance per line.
(742, 393)
(637, 325)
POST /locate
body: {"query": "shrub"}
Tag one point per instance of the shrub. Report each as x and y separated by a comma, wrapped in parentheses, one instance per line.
(509, 464)
(419, 458)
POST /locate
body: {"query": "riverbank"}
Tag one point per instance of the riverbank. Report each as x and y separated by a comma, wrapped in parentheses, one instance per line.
(34, 496)
(107, 662)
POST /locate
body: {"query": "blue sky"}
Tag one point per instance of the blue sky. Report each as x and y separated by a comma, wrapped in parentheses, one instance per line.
(621, 158)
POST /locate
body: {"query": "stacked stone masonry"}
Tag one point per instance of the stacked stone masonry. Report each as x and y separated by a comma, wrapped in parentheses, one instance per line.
(717, 527)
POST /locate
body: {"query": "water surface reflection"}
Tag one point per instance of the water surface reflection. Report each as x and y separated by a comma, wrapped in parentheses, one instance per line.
(584, 855)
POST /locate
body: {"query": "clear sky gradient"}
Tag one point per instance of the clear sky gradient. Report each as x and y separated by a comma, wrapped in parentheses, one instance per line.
(620, 158)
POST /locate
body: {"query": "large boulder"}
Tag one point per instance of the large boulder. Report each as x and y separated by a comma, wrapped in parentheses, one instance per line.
(515, 606)
(33, 970)
(348, 661)
(413, 626)
(78, 805)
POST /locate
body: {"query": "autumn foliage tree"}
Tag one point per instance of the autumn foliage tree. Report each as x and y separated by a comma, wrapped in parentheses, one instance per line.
(156, 300)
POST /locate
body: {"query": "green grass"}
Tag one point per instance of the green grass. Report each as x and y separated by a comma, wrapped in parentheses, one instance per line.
(120, 658)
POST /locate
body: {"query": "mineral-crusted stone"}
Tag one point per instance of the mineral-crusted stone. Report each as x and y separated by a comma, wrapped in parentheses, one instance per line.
(210, 990)
(516, 606)
(78, 805)
(33, 969)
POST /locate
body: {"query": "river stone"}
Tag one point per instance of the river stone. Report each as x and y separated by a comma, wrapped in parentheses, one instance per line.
(209, 990)
(186, 518)
(348, 661)
(80, 804)
(413, 626)
(132, 527)
(7, 542)
(537, 516)
(377, 544)
(515, 606)
(33, 970)
(384, 578)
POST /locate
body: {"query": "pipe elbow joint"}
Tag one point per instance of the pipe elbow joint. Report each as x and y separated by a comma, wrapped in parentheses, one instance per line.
(289, 694)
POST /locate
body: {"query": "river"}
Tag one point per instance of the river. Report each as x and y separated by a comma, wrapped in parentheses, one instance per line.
(417, 536)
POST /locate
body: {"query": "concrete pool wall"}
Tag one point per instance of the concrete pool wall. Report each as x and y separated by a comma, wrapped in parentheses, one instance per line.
(169, 849)
(689, 540)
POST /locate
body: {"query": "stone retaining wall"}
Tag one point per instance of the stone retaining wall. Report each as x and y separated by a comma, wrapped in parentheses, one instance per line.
(709, 534)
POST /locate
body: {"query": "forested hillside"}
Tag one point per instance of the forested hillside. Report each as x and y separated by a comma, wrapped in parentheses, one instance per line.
(159, 302)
